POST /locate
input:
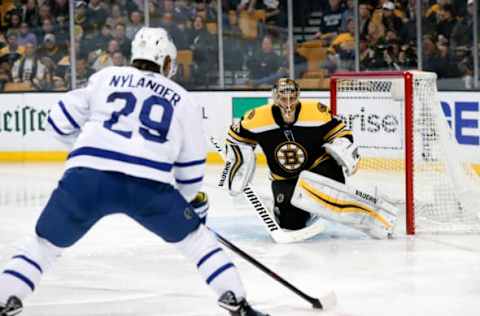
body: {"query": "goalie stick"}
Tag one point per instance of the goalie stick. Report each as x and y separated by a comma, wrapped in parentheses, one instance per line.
(278, 234)
(326, 302)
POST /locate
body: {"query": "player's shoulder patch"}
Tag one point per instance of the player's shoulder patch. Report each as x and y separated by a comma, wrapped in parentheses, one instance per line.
(314, 113)
(322, 108)
(258, 119)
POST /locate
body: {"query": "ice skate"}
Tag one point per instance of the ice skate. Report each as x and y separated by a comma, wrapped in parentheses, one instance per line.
(12, 307)
(229, 302)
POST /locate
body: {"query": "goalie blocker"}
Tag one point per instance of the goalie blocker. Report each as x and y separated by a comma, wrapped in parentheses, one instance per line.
(337, 202)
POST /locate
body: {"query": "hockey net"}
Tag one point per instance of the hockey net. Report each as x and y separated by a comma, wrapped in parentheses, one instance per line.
(408, 151)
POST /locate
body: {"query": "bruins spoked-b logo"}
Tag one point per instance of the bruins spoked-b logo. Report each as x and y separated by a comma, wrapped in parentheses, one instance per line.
(290, 156)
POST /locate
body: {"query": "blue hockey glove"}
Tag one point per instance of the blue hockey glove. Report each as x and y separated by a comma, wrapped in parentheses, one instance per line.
(200, 205)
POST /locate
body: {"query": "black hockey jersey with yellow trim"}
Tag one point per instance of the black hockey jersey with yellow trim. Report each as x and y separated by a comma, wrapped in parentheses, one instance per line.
(290, 148)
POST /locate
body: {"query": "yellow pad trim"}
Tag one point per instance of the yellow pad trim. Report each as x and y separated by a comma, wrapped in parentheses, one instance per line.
(342, 206)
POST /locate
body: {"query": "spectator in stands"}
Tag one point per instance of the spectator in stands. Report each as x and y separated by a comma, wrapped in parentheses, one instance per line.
(344, 46)
(83, 71)
(59, 8)
(462, 32)
(15, 22)
(5, 72)
(101, 39)
(51, 49)
(44, 13)
(30, 13)
(180, 38)
(375, 33)
(390, 21)
(118, 59)
(29, 69)
(300, 66)
(207, 12)
(81, 17)
(264, 61)
(96, 15)
(106, 58)
(135, 23)
(117, 15)
(446, 21)
(347, 15)
(62, 30)
(331, 21)
(122, 40)
(48, 27)
(205, 50)
(12, 48)
(233, 43)
(25, 36)
(431, 57)
(364, 16)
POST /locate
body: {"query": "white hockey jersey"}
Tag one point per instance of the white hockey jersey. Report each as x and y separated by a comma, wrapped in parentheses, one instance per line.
(135, 122)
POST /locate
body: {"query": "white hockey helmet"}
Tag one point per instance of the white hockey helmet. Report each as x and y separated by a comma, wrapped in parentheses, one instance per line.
(155, 44)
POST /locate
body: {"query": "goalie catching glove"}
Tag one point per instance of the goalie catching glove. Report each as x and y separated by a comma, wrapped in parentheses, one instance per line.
(200, 206)
(239, 167)
(345, 154)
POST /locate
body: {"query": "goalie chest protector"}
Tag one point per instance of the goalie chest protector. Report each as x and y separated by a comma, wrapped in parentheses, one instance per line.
(290, 148)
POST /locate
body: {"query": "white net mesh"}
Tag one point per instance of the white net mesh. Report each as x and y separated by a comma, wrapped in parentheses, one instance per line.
(446, 189)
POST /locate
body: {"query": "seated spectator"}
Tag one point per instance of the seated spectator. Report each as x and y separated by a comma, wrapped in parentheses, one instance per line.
(264, 61)
(135, 23)
(390, 20)
(15, 22)
(83, 71)
(51, 49)
(30, 13)
(205, 52)
(118, 59)
(344, 46)
(180, 37)
(446, 21)
(29, 69)
(233, 43)
(118, 15)
(105, 59)
(25, 36)
(432, 60)
(96, 15)
(122, 40)
(12, 46)
(59, 8)
(5, 71)
(44, 13)
(48, 27)
(462, 34)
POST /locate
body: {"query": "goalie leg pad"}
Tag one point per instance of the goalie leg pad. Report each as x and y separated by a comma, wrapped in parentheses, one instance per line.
(334, 201)
(239, 166)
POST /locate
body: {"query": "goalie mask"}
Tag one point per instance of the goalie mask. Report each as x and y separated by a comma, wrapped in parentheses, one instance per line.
(285, 95)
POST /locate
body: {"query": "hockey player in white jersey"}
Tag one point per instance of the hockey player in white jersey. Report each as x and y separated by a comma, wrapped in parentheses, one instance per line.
(138, 146)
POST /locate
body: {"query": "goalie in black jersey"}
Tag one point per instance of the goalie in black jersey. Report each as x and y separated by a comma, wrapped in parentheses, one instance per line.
(305, 148)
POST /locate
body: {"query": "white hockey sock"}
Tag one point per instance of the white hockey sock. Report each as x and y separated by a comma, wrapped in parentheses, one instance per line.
(23, 272)
(212, 262)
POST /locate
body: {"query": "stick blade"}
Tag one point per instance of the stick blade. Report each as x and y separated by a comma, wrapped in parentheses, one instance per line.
(326, 302)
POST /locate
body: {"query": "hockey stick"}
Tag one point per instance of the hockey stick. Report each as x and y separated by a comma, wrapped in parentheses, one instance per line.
(278, 234)
(326, 301)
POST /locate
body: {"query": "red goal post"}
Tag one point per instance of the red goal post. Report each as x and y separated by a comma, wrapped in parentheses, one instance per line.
(398, 123)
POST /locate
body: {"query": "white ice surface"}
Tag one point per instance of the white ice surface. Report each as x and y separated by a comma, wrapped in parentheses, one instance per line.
(119, 269)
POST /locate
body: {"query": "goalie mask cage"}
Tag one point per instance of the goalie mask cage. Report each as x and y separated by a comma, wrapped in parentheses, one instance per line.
(407, 149)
